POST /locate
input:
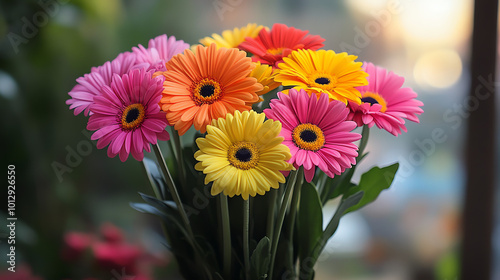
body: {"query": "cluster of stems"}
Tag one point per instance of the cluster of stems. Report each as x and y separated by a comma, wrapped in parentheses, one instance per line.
(282, 211)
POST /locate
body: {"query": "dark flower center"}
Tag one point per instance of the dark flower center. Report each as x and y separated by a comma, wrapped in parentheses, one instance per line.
(132, 115)
(243, 155)
(308, 136)
(322, 81)
(207, 90)
(370, 100)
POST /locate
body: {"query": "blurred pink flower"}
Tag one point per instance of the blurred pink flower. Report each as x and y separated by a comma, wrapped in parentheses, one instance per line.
(111, 252)
(111, 233)
(117, 255)
(76, 243)
(22, 272)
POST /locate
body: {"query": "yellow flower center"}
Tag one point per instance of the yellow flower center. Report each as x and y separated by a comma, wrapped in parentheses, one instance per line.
(374, 98)
(132, 116)
(206, 91)
(323, 80)
(275, 51)
(243, 155)
(308, 137)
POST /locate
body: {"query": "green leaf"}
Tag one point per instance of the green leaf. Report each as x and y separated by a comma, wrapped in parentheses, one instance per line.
(165, 206)
(166, 210)
(310, 220)
(217, 276)
(167, 217)
(306, 271)
(146, 208)
(338, 185)
(154, 175)
(372, 183)
(260, 259)
(344, 205)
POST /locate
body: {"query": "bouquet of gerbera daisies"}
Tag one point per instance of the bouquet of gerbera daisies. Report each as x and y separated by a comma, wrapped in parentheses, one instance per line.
(272, 116)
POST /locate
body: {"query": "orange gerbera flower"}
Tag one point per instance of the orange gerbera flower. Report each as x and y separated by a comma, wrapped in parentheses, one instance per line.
(207, 84)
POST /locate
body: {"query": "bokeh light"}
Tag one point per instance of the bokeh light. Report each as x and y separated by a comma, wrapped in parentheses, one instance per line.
(430, 23)
(439, 68)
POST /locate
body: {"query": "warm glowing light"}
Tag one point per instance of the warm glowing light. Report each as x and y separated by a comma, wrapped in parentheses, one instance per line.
(438, 68)
(436, 22)
(367, 6)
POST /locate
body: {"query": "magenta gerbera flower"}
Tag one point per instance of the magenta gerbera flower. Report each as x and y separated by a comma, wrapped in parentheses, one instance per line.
(90, 85)
(316, 131)
(159, 51)
(271, 46)
(127, 116)
(384, 102)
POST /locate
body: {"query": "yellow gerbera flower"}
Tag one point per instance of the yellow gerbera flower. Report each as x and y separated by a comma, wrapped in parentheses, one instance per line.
(336, 74)
(243, 155)
(265, 75)
(232, 39)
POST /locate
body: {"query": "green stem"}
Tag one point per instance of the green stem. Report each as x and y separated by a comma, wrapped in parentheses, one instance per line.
(295, 200)
(158, 193)
(273, 194)
(161, 196)
(180, 157)
(246, 228)
(175, 195)
(346, 176)
(365, 133)
(321, 183)
(171, 149)
(281, 216)
(293, 211)
(226, 236)
(328, 233)
(173, 189)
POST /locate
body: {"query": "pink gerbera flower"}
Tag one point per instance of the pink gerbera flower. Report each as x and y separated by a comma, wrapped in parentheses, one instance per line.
(159, 51)
(90, 85)
(127, 116)
(316, 131)
(271, 46)
(384, 102)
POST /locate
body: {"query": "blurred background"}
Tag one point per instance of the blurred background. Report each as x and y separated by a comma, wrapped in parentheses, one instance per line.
(68, 192)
